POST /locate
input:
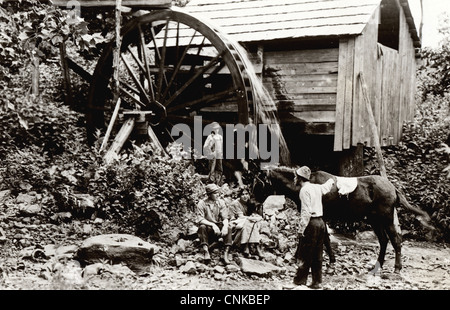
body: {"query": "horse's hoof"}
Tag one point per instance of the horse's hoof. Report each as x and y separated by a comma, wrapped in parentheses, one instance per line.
(376, 268)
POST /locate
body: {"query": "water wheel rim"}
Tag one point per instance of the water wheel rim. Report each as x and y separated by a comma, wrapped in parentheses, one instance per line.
(241, 88)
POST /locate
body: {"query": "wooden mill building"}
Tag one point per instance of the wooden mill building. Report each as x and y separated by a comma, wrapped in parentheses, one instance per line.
(310, 55)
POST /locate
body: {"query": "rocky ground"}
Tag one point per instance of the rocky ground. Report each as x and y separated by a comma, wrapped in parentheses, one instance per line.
(39, 255)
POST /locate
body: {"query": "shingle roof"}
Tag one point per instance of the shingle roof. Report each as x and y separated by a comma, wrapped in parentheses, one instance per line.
(259, 20)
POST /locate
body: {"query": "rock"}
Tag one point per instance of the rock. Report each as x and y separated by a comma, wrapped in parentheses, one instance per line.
(61, 216)
(92, 270)
(288, 257)
(232, 268)
(366, 236)
(219, 269)
(60, 251)
(4, 195)
(273, 203)
(179, 261)
(26, 199)
(117, 248)
(87, 228)
(29, 209)
(189, 268)
(98, 220)
(251, 266)
(183, 245)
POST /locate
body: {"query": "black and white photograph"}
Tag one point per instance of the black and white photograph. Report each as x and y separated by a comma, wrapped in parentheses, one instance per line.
(226, 152)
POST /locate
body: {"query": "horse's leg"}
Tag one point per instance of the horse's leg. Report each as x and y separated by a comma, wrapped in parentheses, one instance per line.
(396, 240)
(328, 248)
(380, 232)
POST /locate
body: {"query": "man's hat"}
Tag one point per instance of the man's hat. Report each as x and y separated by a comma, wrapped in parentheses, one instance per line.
(215, 125)
(211, 188)
(304, 172)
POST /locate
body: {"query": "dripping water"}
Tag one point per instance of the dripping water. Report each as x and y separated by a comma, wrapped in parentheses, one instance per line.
(265, 108)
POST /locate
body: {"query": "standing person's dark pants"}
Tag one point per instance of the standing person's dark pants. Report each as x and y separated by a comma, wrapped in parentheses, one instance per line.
(207, 236)
(310, 252)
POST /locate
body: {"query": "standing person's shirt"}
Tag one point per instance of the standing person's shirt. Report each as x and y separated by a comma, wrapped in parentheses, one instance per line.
(311, 199)
(213, 211)
(214, 145)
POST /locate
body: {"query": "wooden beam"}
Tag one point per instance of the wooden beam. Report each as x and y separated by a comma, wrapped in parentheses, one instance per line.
(68, 96)
(78, 70)
(373, 125)
(120, 140)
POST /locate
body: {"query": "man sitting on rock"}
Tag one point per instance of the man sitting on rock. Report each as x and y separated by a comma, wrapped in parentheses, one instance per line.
(212, 219)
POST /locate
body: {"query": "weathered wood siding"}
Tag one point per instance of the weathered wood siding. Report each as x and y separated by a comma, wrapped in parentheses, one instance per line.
(104, 3)
(304, 84)
(390, 78)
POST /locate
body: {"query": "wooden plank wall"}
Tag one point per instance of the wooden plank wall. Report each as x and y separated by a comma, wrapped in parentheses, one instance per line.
(303, 83)
(104, 3)
(390, 78)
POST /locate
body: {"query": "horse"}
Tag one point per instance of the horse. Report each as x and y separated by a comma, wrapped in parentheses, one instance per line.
(374, 199)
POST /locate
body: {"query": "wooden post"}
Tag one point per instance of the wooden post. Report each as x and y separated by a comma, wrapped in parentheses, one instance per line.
(35, 76)
(66, 75)
(373, 125)
(110, 125)
(154, 141)
(120, 139)
(116, 55)
(116, 83)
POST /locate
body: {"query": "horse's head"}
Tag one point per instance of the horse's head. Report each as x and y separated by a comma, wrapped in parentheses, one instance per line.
(282, 182)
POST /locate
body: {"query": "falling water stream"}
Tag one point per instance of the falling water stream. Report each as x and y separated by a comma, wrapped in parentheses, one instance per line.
(265, 108)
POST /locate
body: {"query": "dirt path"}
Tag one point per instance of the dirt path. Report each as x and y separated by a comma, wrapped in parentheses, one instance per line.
(426, 267)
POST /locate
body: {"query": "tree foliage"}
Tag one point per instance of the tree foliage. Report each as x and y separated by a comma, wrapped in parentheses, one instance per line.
(435, 69)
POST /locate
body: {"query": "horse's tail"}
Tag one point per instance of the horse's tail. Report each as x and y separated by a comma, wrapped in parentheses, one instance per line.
(422, 216)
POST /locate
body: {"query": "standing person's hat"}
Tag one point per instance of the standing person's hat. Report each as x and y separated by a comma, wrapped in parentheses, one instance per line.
(304, 172)
(215, 125)
(211, 188)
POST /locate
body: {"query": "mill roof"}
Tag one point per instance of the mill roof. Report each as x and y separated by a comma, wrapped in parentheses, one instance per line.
(262, 20)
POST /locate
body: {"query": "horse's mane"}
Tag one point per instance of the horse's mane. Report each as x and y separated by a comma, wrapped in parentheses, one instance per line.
(283, 169)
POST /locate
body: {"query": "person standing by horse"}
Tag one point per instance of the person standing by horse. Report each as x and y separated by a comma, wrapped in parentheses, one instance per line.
(312, 229)
(213, 220)
(213, 148)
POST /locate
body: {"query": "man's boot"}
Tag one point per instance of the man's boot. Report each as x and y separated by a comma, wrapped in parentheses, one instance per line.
(225, 255)
(206, 256)
(259, 251)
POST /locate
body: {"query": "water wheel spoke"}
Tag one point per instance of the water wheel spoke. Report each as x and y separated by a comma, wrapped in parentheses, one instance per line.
(178, 66)
(204, 101)
(175, 125)
(199, 50)
(131, 88)
(135, 79)
(162, 61)
(199, 73)
(132, 97)
(146, 63)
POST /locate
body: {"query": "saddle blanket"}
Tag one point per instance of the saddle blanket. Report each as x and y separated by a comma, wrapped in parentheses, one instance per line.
(346, 185)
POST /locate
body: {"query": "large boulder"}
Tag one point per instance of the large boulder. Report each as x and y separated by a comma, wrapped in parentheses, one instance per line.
(127, 249)
(259, 268)
(273, 204)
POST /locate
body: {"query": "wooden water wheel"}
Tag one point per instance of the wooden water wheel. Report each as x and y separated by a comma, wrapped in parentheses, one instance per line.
(173, 67)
